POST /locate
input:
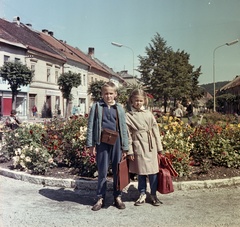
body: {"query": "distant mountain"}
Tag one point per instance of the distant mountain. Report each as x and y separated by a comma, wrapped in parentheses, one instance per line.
(209, 87)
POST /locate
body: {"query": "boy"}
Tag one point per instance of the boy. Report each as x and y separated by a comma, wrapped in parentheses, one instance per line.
(107, 114)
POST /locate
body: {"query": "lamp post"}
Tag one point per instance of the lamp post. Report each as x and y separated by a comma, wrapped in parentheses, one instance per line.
(214, 85)
(121, 45)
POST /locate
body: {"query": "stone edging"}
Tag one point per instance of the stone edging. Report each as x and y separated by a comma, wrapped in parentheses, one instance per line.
(92, 184)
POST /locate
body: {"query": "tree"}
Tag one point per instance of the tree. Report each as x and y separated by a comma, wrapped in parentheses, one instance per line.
(66, 82)
(17, 75)
(95, 90)
(166, 74)
(123, 92)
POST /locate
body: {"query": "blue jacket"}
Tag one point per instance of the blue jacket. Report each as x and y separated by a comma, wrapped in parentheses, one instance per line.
(95, 125)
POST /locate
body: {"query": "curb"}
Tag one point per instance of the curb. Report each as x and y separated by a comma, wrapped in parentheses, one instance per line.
(92, 184)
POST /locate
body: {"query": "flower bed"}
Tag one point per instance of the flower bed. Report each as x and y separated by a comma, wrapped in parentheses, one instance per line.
(38, 147)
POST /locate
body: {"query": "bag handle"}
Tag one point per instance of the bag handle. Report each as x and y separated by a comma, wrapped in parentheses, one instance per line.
(164, 162)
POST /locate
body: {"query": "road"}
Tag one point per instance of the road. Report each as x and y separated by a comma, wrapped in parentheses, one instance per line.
(23, 204)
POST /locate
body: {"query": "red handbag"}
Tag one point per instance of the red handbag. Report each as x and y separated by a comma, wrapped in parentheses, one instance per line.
(165, 174)
(164, 162)
(165, 184)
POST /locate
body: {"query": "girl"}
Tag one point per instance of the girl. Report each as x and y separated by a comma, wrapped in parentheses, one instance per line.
(144, 145)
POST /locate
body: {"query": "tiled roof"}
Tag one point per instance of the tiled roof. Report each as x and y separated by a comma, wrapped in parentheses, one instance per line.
(110, 70)
(4, 35)
(87, 58)
(22, 34)
(234, 83)
(47, 44)
(61, 48)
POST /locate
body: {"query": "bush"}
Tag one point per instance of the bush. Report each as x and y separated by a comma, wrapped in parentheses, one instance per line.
(38, 147)
(53, 143)
(176, 143)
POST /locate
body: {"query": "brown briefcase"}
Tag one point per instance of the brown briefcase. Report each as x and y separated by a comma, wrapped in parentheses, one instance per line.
(123, 174)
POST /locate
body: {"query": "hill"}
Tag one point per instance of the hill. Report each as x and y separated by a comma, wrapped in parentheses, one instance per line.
(209, 87)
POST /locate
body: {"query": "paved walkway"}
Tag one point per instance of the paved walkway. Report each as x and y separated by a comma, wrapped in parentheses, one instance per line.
(24, 204)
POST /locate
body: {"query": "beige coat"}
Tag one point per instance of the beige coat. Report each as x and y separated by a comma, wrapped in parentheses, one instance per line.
(144, 142)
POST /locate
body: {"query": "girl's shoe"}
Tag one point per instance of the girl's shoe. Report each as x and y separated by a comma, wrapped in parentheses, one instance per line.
(141, 200)
(155, 200)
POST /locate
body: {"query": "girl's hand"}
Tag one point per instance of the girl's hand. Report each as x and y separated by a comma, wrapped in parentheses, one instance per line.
(131, 157)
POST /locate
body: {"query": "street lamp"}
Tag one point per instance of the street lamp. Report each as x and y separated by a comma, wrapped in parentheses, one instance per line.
(214, 86)
(121, 45)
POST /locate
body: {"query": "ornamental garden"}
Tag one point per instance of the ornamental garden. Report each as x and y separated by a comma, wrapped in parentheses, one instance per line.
(37, 147)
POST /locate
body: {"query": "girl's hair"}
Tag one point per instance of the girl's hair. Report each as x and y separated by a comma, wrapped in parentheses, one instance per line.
(109, 84)
(139, 92)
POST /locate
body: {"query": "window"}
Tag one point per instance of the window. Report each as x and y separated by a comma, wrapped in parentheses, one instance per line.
(2, 81)
(48, 75)
(17, 60)
(6, 58)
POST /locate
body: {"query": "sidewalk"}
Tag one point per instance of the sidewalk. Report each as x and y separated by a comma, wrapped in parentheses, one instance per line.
(92, 184)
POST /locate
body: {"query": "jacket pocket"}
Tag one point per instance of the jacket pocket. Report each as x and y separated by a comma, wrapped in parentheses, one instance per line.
(137, 148)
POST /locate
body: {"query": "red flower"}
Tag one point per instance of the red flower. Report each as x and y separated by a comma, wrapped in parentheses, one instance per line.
(149, 96)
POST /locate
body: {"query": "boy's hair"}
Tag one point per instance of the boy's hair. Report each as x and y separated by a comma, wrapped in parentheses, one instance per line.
(139, 92)
(109, 84)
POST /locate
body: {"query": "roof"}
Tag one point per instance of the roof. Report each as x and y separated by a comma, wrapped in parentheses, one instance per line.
(21, 33)
(87, 58)
(234, 83)
(110, 70)
(62, 48)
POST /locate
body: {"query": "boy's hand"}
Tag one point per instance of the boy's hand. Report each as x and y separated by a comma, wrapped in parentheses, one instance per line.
(92, 150)
(124, 154)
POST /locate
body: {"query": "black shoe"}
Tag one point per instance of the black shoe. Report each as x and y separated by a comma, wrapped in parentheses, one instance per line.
(155, 200)
(119, 203)
(98, 205)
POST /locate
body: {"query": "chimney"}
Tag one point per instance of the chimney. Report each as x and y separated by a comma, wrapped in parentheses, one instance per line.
(91, 52)
(16, 20)
(45, 31)
(50, 33)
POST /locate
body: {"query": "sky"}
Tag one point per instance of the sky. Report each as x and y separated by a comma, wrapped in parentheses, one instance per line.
(197, 27)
